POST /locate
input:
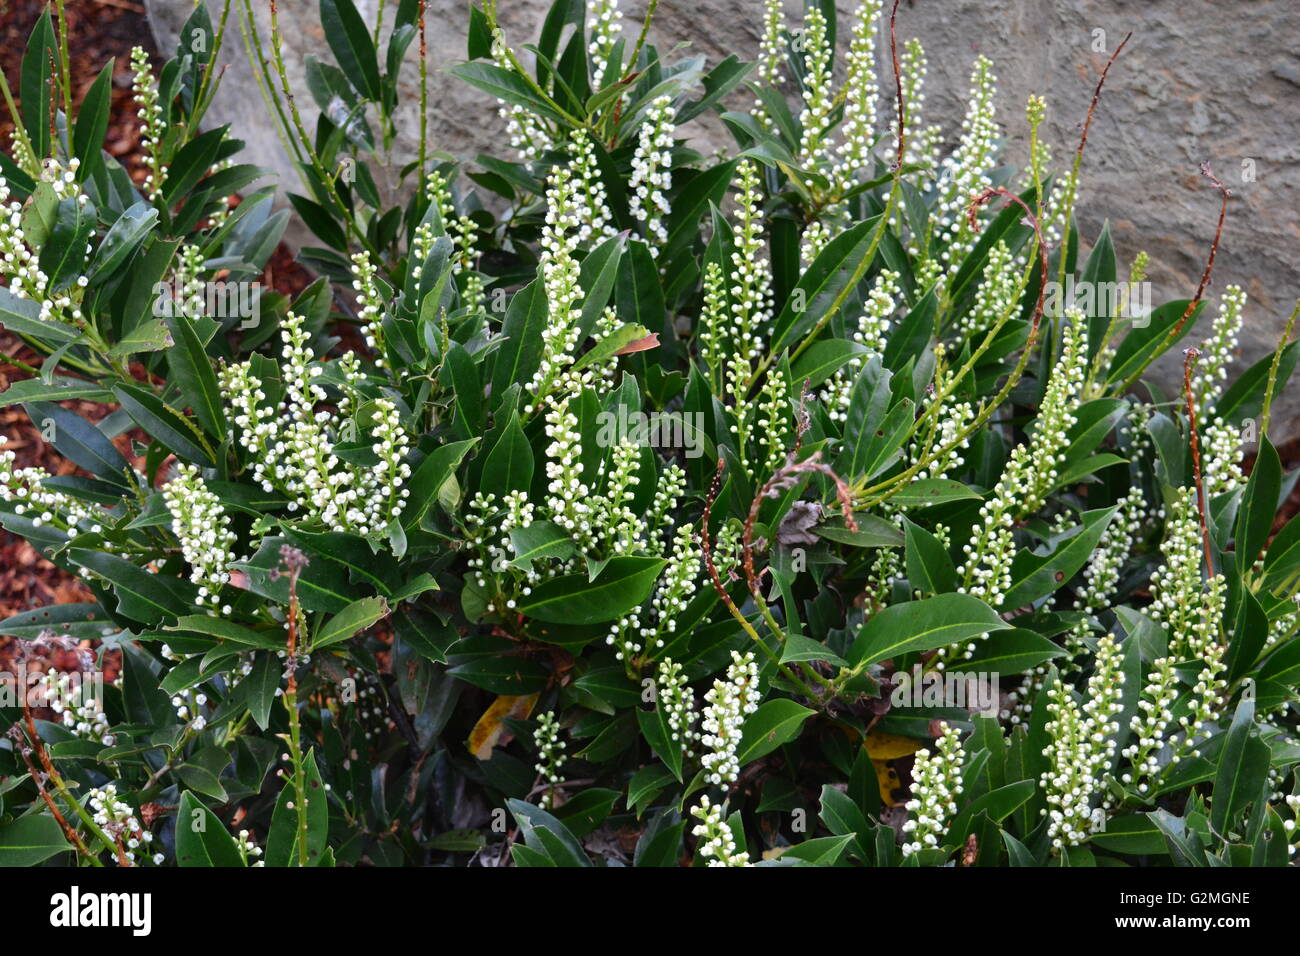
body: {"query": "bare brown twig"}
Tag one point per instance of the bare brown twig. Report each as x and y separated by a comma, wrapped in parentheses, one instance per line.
(1225, 194)
(898, 86)
(1096, 96)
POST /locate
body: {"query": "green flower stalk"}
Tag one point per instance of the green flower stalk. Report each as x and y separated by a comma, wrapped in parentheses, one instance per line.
(678, 702)
(153, 127)
(818, 93)
(604, 27)
(1190, 609)
(651, 171)
(1030, 473)
(550, 755)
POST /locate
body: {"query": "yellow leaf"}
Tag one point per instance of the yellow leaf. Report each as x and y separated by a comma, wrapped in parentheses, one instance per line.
(891, 746)
(887, 780)
(488, 730)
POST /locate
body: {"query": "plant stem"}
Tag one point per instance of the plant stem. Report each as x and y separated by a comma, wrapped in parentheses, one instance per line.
(65, 60)
(1188, 362)
(1272, 371)
(295, 723)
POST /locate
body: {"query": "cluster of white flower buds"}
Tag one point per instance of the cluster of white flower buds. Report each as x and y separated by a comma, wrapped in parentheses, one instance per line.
(591, 203)
(201, 524)
(751, 274)
(370, 305)
(717, 844)
(25, 489)
(873, 326)
(1190, 609)
(560, 274)
(464, 235)
(997, 293)
(20, 264)
(818, 90)
(1207, 700)
(1223, 453)
(604, 25)
(622, 530)
(652, 171)
(568, 502)
(190, 705)
(550, 754)
(672, 482)
(714, 322)
(292, 450)
(487, 531)
(964, 174)
(249, 849)
(727, 704)
(1150, 725)
(774, 418)
(936, 785)
(771, 55)
(1291, 826)
(528, 134)
(675, 589)
(921, 147)
(1218, 351)
(677, 699)
(861, 95)
(1101, 575)
(153, 128)
(78, 704)
(1030, 474)
(117, 819)
(1081, 747)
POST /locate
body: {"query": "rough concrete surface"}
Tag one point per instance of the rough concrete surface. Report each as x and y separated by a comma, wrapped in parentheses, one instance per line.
(1199, 80)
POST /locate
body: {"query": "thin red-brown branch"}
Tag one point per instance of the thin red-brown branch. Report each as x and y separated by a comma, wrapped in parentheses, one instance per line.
(898, 86)
(1096, 95)
(1225, 194)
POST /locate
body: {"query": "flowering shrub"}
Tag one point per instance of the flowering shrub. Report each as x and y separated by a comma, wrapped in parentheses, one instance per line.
(748, 508)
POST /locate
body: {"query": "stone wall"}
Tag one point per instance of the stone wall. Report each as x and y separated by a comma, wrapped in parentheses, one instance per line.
(1199, 80)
